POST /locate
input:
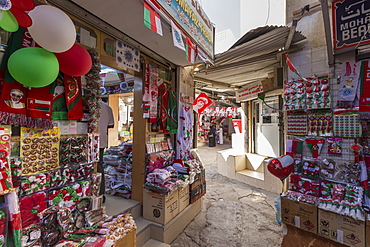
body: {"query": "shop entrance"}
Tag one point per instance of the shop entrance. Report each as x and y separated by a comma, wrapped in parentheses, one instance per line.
(266, 136)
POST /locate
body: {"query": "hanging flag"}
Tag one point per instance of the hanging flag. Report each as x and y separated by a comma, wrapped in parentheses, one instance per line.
(292, 68)
(315, 146)
(201, 103)
(177, 36)
(152, 19)
(127, 56)
(190, 50)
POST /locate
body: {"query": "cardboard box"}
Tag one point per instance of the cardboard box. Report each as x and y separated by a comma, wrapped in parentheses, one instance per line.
(342, 229)
(158, 208)
(184, 198)
(204, 189)
(203, 175)
(268, 84)
(299, 214)
(128, 240)
(195, 193)
(197, 181)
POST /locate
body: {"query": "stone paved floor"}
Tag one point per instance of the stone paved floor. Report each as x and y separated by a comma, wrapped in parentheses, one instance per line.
(234, 214)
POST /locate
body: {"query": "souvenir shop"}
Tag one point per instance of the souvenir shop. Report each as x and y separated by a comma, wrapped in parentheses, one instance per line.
(327, 155)
(51, 95)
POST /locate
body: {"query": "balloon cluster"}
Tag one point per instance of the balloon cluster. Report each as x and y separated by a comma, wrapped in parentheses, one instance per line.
(55, 33)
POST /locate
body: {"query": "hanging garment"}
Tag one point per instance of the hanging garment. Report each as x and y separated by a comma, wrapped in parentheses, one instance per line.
(73, 94)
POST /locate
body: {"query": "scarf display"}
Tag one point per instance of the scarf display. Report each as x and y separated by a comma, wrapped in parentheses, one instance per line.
(73, 94)
(163, 105)
(365, 91)
(349, 83)
(59, 100)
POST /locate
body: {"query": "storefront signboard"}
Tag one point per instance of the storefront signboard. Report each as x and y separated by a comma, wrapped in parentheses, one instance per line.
(249, 92)
(351, 21)
(190, 16)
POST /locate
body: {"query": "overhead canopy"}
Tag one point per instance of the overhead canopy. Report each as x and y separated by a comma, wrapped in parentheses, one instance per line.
(250, 59)
(128, 18)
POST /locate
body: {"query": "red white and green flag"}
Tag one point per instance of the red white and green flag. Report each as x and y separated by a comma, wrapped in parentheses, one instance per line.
(292, 68)
(190, 50)
(152, 19)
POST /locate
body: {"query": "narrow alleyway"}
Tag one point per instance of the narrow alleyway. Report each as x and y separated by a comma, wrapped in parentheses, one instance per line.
(234, 214)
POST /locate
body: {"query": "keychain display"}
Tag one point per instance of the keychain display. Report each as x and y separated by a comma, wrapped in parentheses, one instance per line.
(39, 150)
(73, 151)
(334, 145)
(346, 123)
(320, 123)
(294, 95)
(327, 169)
(93, 147)
(297, 123)
(318, 93)
(311, 168)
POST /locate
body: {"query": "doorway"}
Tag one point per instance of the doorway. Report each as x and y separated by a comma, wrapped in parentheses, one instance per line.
(266, 135)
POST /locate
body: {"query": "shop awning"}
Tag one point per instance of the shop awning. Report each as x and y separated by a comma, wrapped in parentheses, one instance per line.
(250, 59)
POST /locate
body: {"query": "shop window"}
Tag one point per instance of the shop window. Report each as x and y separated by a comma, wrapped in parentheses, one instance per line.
(85, 35)
(110, 47)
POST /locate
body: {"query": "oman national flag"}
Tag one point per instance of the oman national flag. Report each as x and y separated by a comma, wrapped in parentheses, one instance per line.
(152, 19)
(292, 68)
(190, 50)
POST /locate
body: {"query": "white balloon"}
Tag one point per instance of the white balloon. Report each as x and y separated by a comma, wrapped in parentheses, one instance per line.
(52, 29)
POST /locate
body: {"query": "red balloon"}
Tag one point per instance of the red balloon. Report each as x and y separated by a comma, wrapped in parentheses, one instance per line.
(23, 19)
(281, 167)
(74, 62)
(26, 5)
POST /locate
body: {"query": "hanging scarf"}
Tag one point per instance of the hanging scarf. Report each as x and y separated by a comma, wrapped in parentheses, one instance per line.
(146, 95)
(13, 94)
(21, 106)
(163, 106)
(349, 82)
(364, 112)
(59, 100)
(153, 92)
(73, 94)
(172, 119)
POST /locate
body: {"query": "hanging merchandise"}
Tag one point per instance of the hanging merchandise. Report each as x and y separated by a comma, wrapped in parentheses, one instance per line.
(5, 172)
(364, 111)
(52, 29)
(315, 146)
(346, 123)
(93, 86)
(318, 93)
(39, 150)
(74, 62)
(146, 96)
(127, 56)
(348, 84)
(297, 123)
(172, 119)
(294, 148)
(59, 109)
(163, 90)
(334, 145)
(328, 169)
(306, 186)
(73, 91)
(294, 95)
(201, 103)
(281, 167)
(153, 92)
(185, 135)
(320, 123)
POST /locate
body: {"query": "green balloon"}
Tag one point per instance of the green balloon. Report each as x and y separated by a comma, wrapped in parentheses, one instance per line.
(8, 21)
(33, 66)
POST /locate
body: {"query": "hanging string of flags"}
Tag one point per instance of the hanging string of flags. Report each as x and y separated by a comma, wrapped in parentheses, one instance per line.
(152, 20)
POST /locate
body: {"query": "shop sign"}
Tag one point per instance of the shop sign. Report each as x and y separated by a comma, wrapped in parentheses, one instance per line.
(351, 21)
(190, 16)
(249, 92)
